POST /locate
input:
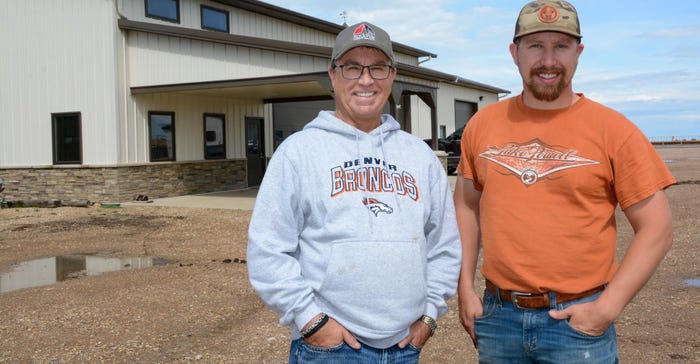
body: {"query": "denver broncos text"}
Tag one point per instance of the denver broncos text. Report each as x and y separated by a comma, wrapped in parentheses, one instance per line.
(353, 177)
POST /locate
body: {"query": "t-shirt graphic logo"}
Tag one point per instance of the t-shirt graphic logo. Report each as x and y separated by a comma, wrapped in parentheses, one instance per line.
(363, 31)
(377, 206)
(534, 159)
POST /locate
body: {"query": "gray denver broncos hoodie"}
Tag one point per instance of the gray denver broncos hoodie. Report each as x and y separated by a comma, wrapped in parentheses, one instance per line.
(358, 225)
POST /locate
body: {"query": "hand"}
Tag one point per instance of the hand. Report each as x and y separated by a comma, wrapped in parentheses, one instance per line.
(418, 335)
(470, 307)
(332, 334)
(590, 318)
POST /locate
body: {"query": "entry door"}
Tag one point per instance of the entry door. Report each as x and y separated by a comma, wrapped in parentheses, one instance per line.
(255, 150)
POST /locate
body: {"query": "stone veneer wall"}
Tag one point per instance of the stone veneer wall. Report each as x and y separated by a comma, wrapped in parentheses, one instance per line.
(122, 183)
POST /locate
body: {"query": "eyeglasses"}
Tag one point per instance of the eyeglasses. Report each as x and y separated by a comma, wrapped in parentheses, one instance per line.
(354, 71)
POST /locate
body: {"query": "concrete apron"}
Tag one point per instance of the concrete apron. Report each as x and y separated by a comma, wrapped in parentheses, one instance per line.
(232, 200)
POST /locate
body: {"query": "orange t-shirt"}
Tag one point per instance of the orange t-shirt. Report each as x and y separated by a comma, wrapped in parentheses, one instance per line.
(550, 183)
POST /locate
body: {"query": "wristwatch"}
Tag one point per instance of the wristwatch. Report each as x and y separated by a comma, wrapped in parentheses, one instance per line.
(432, 324)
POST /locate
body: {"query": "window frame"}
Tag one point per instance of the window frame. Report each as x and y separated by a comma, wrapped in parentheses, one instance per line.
(161, 17)
(222, 118)
(216, 10)
(150, 136)
(54, 137)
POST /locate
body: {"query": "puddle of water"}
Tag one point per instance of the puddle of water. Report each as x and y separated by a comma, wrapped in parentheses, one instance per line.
(692, 282)
(46, 271)
(669, 160)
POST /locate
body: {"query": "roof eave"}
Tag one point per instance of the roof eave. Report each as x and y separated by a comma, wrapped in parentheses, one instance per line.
(429, 74)
(310, 22)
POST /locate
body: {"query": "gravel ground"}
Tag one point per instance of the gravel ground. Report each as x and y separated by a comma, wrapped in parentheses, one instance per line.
(200, 307)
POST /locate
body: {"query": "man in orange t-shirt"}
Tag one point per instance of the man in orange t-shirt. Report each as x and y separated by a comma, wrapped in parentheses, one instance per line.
(541, 175)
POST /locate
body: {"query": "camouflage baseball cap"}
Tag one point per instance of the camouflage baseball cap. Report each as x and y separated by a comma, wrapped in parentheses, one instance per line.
(548, 16)
(362, 35)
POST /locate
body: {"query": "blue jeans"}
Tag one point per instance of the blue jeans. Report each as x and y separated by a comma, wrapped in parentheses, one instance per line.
(508, 334)
(302, 353)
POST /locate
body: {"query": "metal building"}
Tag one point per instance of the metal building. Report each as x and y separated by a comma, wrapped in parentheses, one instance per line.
(107, 99)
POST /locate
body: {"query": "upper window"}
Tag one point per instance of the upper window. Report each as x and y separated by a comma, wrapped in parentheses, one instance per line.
(161, 127)
(168, 10)
(214, 19)
(214, 136)
(67, 140)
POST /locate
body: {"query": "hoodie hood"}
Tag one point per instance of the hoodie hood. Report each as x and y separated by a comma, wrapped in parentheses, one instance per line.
(326, 120)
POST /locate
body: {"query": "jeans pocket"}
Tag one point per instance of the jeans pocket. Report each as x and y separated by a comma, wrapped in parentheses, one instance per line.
(323, 349)
(413, 347)
(583, 334)
(489, 306)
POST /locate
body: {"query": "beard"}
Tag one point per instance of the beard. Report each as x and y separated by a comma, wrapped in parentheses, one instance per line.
(544, 92)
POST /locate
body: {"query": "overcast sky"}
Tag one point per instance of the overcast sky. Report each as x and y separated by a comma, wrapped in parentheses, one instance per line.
(641, 58)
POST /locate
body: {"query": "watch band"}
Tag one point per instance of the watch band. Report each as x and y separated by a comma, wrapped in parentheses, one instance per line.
(315, 326)
(432, 324)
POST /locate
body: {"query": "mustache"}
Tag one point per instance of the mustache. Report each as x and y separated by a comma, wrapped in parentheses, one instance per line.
(539, 70)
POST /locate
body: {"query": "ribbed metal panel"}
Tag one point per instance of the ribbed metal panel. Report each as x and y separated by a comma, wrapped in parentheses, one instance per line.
(420, 118)
(57, 56)
(406, 59)
(160, 59)
(447, 94)
(259, 25)
(189, 118)
(241, 22)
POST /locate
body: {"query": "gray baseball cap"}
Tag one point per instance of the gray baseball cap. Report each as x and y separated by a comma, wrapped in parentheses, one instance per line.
(362, 35)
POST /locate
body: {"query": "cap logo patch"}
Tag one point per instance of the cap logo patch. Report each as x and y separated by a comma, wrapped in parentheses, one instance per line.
(363, 32)
(548, 14)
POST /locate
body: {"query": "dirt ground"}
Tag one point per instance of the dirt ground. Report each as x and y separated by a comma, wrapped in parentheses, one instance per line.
(200, 307)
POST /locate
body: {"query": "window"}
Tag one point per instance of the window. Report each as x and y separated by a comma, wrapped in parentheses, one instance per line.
(168, 10)
(161, 128)
(214, 19)
(214, 136)
(67, 139)
(443, 132)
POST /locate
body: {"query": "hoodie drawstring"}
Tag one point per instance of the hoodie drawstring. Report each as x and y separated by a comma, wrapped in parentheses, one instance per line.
(384, 164)
(364, 190)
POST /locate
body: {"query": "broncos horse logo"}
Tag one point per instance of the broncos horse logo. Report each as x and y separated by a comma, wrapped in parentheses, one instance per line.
(376, 206)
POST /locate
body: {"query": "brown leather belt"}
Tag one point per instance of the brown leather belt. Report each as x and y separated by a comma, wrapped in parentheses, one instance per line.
(537, 300)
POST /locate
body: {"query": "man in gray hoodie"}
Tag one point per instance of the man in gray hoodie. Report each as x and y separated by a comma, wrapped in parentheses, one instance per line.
(353, 240)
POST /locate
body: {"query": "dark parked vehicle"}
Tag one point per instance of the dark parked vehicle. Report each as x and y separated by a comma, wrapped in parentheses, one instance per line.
(451, 146)
(453, 150)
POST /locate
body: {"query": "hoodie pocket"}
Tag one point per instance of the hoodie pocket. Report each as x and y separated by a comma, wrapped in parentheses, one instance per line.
(379, 287)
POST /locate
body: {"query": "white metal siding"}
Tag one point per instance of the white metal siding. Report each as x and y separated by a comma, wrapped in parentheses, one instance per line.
(448, 93)
(241, 22)
(159, 59)
(261, 26)
(420, 118)
(57, 56)
(406, 59)
(417, 81)
(189, 118)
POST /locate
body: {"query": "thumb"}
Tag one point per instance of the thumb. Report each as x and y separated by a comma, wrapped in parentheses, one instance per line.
(560, 314)
(351, 340)
(404, 342)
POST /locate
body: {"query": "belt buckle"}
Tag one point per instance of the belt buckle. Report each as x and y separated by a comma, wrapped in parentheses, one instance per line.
(514, 299)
